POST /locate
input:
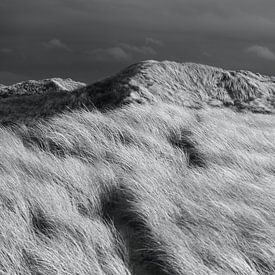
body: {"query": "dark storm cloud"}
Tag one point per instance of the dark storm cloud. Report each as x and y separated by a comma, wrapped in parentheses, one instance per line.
(52, 37)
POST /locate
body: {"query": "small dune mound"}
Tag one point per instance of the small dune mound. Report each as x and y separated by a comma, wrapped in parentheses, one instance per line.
(33, 87)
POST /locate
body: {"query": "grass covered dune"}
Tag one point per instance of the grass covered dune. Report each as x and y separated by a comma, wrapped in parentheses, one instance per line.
(143, 189)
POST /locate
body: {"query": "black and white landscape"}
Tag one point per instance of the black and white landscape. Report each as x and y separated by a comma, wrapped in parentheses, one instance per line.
(112, 165)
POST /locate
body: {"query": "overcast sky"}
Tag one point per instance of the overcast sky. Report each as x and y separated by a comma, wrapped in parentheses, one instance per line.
(89, 39)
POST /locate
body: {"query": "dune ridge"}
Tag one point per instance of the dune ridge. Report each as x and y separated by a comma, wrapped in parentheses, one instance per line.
(188, 84)
(194, 85)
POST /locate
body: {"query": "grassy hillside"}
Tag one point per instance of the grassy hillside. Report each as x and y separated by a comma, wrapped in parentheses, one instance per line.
(142, 189)
(189, 85)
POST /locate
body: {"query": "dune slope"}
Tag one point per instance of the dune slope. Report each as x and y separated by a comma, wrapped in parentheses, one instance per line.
(141, 185)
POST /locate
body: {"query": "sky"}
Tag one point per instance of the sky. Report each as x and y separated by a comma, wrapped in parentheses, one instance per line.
(87, 40)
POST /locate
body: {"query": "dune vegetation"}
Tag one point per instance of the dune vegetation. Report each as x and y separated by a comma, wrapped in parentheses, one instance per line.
(143, 189)
(163, 169)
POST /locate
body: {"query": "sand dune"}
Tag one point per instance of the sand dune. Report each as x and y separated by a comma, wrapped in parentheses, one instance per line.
(162, 169)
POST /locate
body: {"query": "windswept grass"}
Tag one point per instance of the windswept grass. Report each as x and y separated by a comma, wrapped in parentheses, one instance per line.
(151, 189)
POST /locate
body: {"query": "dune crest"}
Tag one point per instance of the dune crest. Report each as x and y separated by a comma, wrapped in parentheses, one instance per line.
(192, 85)
(189, 85)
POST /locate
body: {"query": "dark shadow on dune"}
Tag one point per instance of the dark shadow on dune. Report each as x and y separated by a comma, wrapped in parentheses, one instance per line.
(41, 224)
(46, 145)
(146, 254)
(28, 109)
(184, 140)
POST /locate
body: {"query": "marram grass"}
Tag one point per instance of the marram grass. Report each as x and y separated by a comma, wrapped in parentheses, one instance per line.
(151, 189)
